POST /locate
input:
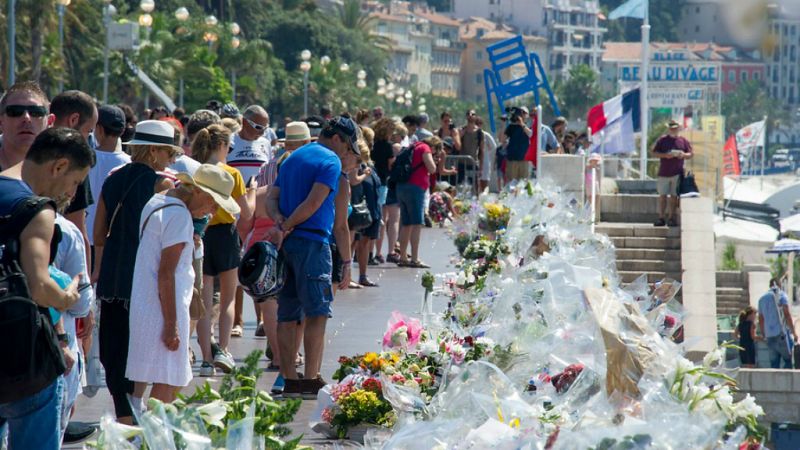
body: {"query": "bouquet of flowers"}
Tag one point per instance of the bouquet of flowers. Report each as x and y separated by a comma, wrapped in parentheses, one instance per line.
(494, 217)
(358, 400)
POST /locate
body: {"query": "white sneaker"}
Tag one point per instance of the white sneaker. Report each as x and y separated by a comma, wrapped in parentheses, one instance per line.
(207, 370)
(224, 361)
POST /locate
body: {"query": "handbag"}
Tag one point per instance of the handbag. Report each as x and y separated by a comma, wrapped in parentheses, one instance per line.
(688, 186)
(360, 218)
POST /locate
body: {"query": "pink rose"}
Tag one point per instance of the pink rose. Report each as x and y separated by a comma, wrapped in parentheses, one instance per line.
(402, 331)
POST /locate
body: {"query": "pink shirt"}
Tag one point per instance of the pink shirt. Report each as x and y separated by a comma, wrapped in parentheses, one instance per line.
(420, 176)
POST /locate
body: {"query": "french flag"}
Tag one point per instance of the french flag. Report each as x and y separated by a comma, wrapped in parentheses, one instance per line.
(613, 123)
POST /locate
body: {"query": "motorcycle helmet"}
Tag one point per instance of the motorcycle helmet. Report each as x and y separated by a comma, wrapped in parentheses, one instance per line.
(262, 271)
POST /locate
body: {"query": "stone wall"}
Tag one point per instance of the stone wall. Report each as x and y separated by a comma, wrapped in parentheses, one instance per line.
(699, 279)
(777, 391)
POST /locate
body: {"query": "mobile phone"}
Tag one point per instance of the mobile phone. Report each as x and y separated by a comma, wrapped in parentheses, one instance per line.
(251, 181)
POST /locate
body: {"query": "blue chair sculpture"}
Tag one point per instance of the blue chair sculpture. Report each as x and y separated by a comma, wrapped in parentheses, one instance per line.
(504, 55)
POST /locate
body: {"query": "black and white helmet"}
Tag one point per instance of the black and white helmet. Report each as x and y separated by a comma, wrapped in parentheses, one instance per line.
(262, 272)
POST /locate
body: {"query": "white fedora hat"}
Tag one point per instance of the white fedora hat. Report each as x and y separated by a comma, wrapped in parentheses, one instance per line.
(214, 181)
(154, 132)
(297, 131)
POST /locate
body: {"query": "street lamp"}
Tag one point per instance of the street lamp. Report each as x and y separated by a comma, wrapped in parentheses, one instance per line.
(61, 6)
(305, 66)
(344, 67)
(361, 75)
(147, 5)
(108, 11)
(325, 60)
(212, 21)
(146, 20)
(235, 28)
(182, 14)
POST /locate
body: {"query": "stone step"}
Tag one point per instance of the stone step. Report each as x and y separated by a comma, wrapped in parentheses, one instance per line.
(647, 242)
(648, 253)
(652, 277)
(737, 299)
(727, 290)
(643, 265)
(724, 310)
(730, 278)
(641, 208)
(636, 230)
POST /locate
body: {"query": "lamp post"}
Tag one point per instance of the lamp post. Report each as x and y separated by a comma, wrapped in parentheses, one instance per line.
(235, 43)
(107, 13)
(305, 66)
(210, 36)
(182, 15)
(146, 20)
(61, 5)
(12, 40)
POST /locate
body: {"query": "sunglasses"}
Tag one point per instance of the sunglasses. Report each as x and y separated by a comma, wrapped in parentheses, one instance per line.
(19, 110)
(257, 127)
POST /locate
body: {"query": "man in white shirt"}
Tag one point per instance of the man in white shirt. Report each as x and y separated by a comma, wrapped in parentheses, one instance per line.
(253, 145)
(109, 155)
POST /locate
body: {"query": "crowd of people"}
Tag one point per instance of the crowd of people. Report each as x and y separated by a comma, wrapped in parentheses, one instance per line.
(139, 235)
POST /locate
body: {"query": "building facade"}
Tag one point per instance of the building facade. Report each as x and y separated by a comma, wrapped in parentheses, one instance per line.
(445, 54)
(410, 47)
(478, 34)
(572, 27)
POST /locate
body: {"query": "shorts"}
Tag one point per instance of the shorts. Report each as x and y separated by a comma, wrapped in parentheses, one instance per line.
(337, 268)
(371, 232)
(222, 249)
(383, 191)
(391, 196)
(308, 291)
(518, 170)
(412, 204)
(668, 185)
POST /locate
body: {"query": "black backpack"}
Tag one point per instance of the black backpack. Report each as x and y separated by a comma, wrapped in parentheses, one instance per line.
(402, 168)
(32, 358)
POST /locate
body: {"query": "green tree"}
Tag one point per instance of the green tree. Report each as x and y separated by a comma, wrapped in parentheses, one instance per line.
(729, 259)
(664, 18)
(578, 92)
(750, 102)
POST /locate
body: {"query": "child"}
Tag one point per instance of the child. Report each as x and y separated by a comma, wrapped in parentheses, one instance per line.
(441, 205)
(745, 332)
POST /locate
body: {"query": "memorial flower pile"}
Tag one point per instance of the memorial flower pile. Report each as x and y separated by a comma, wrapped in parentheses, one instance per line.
(540, 346)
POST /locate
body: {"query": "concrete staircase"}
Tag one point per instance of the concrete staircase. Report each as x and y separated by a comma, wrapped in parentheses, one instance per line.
(645, 249)
(732, 292)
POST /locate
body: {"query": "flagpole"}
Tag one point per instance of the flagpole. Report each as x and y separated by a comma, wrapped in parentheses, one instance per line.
(763, 147)
(538, 167)
(643, 99)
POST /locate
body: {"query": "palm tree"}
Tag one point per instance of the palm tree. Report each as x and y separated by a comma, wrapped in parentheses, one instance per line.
(353, 18)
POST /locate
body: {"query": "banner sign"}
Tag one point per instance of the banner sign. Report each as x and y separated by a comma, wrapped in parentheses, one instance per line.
(675, 72)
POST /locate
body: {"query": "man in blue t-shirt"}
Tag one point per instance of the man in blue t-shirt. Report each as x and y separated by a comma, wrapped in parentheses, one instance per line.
(301, 202)
(56, 163)
(776, 325)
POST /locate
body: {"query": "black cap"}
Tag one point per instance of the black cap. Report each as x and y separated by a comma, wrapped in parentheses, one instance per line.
(111, 118)
(346, 126)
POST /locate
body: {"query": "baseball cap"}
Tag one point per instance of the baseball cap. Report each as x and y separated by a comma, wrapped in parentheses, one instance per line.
(673, 124)
(111, 118)
(345, 127)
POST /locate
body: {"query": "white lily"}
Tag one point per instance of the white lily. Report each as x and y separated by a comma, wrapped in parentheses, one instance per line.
(213, 413)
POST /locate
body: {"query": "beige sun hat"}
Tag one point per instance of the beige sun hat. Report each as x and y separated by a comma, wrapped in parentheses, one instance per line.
(214, 181)
(154, 132)
(297, 131)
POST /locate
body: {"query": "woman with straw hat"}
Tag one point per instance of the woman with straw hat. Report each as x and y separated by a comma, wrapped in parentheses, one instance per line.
(116, 238)
(158, 349)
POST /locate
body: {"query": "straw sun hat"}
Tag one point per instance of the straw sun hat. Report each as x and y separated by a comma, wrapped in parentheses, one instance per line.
(214, 181)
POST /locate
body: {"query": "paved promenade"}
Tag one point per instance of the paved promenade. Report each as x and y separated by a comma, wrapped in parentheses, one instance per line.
(357, 326)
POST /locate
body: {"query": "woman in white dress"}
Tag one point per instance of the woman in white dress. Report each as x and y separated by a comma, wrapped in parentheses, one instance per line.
(158, 349)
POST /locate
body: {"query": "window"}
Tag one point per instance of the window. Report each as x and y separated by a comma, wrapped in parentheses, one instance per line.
(744, 76)
(479, 55)
(697, 28)
(756, 76)
(478, 78)
(697, 10)
(731, 76)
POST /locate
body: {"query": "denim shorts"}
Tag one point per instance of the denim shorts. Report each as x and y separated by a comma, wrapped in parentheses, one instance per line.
(383, 191)
(307, 291)
(412, 204)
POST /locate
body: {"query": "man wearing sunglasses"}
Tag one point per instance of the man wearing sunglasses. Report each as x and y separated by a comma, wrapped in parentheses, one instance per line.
(302, 204)
(24, 113)
(253, 145)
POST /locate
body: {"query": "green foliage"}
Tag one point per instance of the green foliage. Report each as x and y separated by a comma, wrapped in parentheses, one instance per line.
(239, 391)
(729, 260)
(578, 93)
(749, 103)
(664, 18)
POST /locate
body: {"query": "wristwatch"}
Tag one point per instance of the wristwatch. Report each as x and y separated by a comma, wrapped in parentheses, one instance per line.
(63, 338)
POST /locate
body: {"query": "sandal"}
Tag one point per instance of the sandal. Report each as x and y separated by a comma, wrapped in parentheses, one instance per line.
(401, 263)
(354, 285)
(418, 265)
(364, 281)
